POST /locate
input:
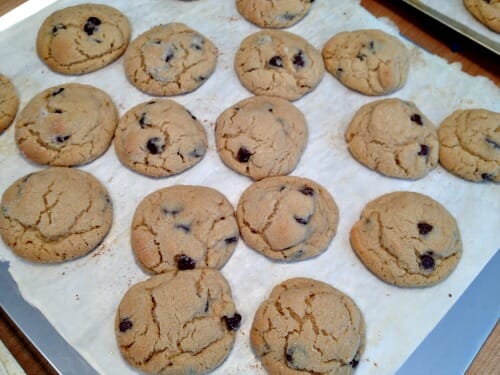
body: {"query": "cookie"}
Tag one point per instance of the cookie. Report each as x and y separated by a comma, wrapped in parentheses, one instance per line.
(184, 227)
(170, 59)
(278, 63)
(394, 138)
(55, 215)
(261, 136)
(274, 14)
(469, 144)
(177, 322)
(160, 138)
(66, 125)
(82, 38)
(308, 327)
(407, 239)
(9, 102)
(485, 11)
(287, 218)
(371, 62)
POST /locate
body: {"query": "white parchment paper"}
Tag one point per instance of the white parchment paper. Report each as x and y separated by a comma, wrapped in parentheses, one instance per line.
(80, 297)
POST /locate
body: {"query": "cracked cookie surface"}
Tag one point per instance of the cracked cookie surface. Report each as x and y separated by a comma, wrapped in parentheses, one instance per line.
(9, 102)
(66, 125)
(159, 138)
(485, 11)
(407, 239)
(278, 63)
(287, 218)
(371, 62)
(261, 136)
(55, 215)
(469, 144)
(83, 38)
(170, 59)
(183, 227)
(394, 138)
(177, 322)
(308, 327)
(274, 14)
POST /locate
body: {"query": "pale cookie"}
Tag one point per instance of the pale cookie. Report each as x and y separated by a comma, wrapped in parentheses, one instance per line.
(274, 14)
(160, 138)
(55, 215)
(407, 239)
(278, 63)
(469, 144)
(369, 61)
(82, 38)
(66, 125)
(184, 227)
(9, 102)
(287, 218)
(170, 59)
(308, 327)
(177, 323)
(261, 136)
(486, 11)
(394, 138)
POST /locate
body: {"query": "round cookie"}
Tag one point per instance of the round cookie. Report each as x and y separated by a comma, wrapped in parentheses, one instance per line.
(66, 125)
(55, 215)
(177, 323)
(82, 38)
(184, 227)
(369, 61)
(274, 14)
(394, 138)
(261, 136)
(407, 239)
(170, 59)
(278, 63)
(469, 144)
(486, 11)
(9, 102)
(159, 138)
(287, 218)
(308, 327)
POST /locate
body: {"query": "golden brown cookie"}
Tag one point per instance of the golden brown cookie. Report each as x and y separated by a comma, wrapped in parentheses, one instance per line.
(9, 102)
(486, 11)
(274, 14)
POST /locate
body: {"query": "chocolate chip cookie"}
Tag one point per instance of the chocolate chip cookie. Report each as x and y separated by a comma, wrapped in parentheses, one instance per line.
(274, 14)
(9, 102)
(486, 11)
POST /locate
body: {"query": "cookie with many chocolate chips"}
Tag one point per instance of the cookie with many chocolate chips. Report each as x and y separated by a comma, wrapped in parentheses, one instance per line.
(486, 11)
(308, 327)
(274, 14)
(177, 322)
(9, 102)
(407, 239)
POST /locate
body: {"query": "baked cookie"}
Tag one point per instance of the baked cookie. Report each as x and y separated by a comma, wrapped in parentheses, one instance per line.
(394, 138)
(369, 61)
(407, 239)
(486, 11)
(274, 14)
(170, 59)
(55, 215)
(82, 38)
(278, 63)
(184, 227)
(308, 327)
(66, 125)
(9, 102)
(469, 144)
(261, 136)
(177, 323)
(159, 138)
(287, 218)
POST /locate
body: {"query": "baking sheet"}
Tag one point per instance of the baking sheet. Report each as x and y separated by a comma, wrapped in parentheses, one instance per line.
(80, 297)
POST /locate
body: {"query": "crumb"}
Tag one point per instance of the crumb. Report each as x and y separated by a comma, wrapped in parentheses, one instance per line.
(450, 295)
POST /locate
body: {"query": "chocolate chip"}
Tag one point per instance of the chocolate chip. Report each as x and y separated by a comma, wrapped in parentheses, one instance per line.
(185, 228)
(301, 220)
(233, 323)
(306, 190)
(61, 138)
(190, 114)
(196, 153)
(361, 56)
(57, 27)
(155, 145)
(170, 56)
(417, 119)
(424, 150)
(339, 71)
(59, 111)
(487, 177)
(493, 143)
(289, 355)
(289, 16)
(142, 121)
(354, 363)
(166, 211)
(427, 261)
(276, 61)
(206, 306)
(58, 91)
(125, 325)
(184, 262)
(231, 240)
(424, 228)
(371, 45)
(243, 155)
(298, 59)
(200, 78)
(91, 25)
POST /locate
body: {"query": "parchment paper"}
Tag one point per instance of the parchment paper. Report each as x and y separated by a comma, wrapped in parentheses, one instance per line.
(80, 297)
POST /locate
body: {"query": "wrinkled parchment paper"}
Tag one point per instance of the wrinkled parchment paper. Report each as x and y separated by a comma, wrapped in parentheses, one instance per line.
(80, 297)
